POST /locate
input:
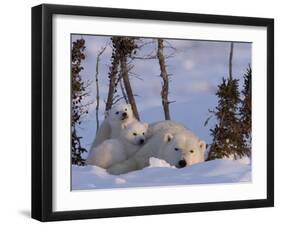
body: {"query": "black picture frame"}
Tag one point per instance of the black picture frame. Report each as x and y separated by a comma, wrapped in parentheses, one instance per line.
(42, 111)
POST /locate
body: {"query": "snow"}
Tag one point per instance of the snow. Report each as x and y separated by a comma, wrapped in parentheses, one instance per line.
(243, 160)
(160, 173)
(155, 162)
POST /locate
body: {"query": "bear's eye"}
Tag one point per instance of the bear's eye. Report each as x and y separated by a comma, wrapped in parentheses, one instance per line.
(176, 149)
(142, 133)
(134, 134)
(125, 109)
(117, 112)
(191, 151)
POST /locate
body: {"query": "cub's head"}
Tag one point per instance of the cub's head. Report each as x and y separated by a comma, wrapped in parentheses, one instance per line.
(182, 149)
(135, 132)
(120, 113)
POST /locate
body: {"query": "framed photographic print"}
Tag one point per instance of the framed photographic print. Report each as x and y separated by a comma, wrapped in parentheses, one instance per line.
(146, 112)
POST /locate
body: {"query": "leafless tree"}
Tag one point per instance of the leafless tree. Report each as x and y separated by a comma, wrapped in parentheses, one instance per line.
(122, 48)
(97, 86)
(112, 75)
(165, 78)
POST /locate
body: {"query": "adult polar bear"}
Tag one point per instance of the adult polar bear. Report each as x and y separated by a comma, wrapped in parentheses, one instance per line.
(168, 140)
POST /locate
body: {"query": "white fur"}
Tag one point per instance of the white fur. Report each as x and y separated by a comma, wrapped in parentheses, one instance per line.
(133, 136)
(164, 138)
(107, 153)
(114, 122)
(115, 150)
(164, 126)
(112, 125)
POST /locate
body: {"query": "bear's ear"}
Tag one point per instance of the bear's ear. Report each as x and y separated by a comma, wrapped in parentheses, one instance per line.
(202, 145)
(145, 125)
(168, 137)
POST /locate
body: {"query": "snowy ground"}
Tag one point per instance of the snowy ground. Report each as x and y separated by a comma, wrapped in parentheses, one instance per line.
(160, 173)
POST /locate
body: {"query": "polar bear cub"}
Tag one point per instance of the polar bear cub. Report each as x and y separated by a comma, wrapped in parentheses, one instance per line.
(116, 118)
(115, 150)
(133, 136)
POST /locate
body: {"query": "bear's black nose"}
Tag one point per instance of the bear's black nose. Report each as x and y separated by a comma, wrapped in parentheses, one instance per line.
(124, 114)
(141, 141)
(182, 163)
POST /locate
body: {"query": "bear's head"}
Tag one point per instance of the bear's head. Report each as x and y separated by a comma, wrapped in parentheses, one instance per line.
(182, 149)
(135, 132)
(119, 113)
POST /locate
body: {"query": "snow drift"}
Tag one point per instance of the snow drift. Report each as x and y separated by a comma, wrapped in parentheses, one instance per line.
(160, 173)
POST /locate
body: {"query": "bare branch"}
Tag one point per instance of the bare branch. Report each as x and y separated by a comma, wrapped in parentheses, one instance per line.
(147, 57)
(146, 43)
(169, 45)
(117, 100)
(135, 76)
(123, 91)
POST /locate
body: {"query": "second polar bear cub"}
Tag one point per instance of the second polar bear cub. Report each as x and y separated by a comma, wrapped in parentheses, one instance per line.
(115, 150)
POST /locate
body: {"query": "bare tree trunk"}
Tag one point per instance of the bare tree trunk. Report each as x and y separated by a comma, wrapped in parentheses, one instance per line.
(230, 60)
(97, 88)
(164, 76)
(123, 90)
(128, 88)
(112, 81)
